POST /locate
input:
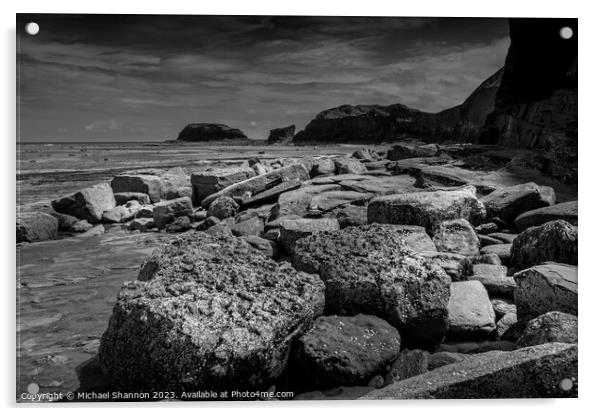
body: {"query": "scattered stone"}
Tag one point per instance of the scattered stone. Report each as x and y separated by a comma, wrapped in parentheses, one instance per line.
(486, 228)
(490, 258)
(426, 209)
(441, 358)
(223, 207)
(506, 238)
(166, 212)
(151, 185)
(145, 211)
(88, 204)
(527, 372)
(506, 327)
(267, 247)
(494, 278)
(549, 327)
(567, 211)
(545, 288)
(141, 224)
(502, 251)
(369, 269)
(294, 229)
(252, 226)
(36, 226)
(180, 224)
(345, 350)
(213, 181)
(122, 197)
(408, 364)
(456, 236)
(502, 306)
(220, 316)
(470, 311)
(507, 203)
(323, 167)
(554, 241)
(349, 165)
(81, 226)
(457, 266)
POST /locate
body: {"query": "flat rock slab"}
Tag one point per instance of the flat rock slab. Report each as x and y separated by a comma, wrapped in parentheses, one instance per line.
(427, 209)
(456, 236)
(567, 211)
(555, 241)
(370, 269)
(344, 350)
(545, 288)
(87, 204)
(470, 311)
(36, 226)
(294, 229)
(550, 327)
(207, 312)
(528, 372)
(297, 202)
(210, 182)
(509, 202)
(494, 278)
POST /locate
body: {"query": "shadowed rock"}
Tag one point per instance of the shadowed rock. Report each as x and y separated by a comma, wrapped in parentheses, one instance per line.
(282, 135)
(549, 327)
(203, 132)
(146, 184)
(36, 226)
(567, 211)
(509, 202)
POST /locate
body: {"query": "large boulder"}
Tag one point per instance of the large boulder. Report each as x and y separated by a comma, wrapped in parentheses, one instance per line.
(205, 132)
(294, 229)
(349, 165)
(427, 209)
(165, 212)
(36, 226)
(567, 211)
(207, 313)
(152, 185)
(470, 311)
(545, 288)
(282, 135)
(88, 204)
(456, 236)
(509, 202)
(212, 181)
(554, 241)
(550, 327)
(344, 350)
(533, 372)
(282, 179)
(370, 269)
(223, 207)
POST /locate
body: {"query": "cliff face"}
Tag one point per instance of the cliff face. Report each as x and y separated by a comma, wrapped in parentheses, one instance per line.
(202, 132)
(375, 124)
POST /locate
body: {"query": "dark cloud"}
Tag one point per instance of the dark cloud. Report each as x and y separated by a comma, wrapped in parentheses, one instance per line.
(126, 77)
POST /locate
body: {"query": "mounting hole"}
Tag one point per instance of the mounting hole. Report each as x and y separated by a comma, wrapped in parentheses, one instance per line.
(566, 32)
(32, 28)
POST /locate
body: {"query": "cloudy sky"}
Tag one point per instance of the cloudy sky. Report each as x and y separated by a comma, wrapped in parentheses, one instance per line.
(142, 78)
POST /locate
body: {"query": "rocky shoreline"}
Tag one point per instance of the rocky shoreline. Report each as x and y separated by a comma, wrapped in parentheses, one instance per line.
(407, 273)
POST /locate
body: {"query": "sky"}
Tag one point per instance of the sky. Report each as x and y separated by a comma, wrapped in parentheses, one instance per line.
(143, 78)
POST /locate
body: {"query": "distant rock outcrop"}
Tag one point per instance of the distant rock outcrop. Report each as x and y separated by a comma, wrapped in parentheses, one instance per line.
(282, 135)
(375, 123)
(204, 132)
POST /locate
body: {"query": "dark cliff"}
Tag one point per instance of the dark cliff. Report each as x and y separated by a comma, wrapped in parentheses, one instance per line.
(203, 132)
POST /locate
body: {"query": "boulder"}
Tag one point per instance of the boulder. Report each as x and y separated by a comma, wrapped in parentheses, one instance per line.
(165, 212)
(427, 209)
(505, 238)
(502, 306)
(470, 312)
(223, 207)
(408, 364)
(329, 200)
(407, 151)
(494, 278)
(545, 288)
(297, 202)
(507, 327)
(294, 229)
(152, 185)
(252, 226)
(366, 155)
(294, 173)
(267, 247)
(549, 327)
(178, 192)
(509, 202)
(95, 231)
(349, 215)
(369, 269)
(344, 350)
(180, 224)
(489, 258)
(282, 135)
(213, 181)
(36, 226)
(141, 224)
(486, 228)
(87, 204)
(554, 241)
(219, 229)
(65, 221)
(456, 236)
(567, 211)
(81, 226)
(349, 165)
(118, 214)
(457, 266)
(207, 313)
(501, 251)
(323, 166)
(122, 197)
(527, 372)
(145, 211)
(205, 132)
(485, 241)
